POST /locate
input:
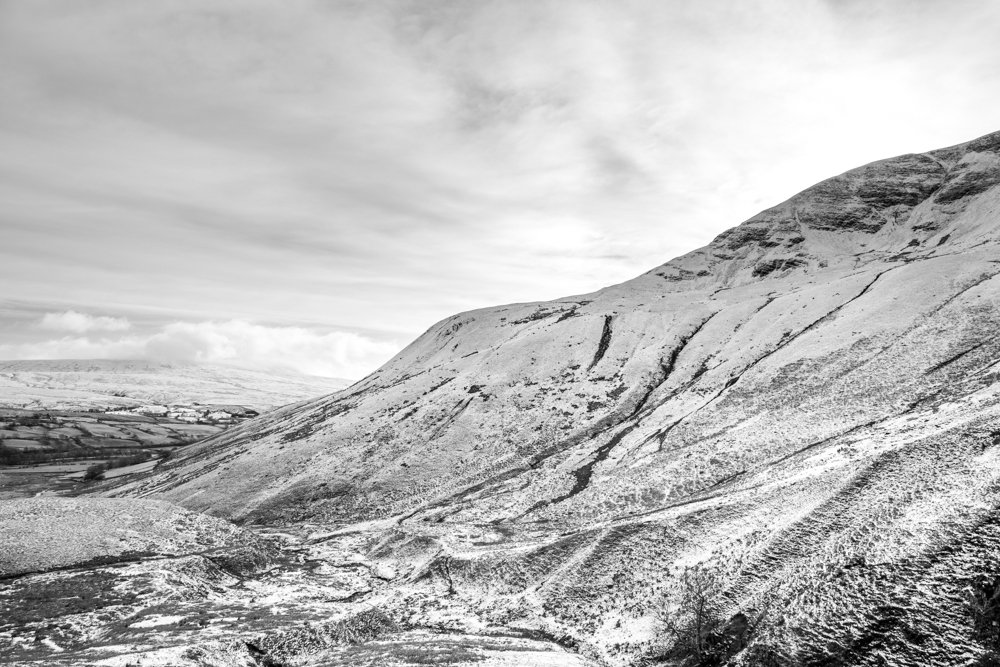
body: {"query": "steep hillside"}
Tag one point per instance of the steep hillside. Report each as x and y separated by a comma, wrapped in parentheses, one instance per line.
(808, 405)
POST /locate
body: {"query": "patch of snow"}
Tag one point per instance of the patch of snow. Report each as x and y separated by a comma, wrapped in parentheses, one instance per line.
(156, 621)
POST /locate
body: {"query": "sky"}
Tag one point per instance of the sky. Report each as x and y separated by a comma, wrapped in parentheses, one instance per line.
(311, 185)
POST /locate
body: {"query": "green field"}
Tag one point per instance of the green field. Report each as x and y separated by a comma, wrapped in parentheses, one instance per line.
(51, 450)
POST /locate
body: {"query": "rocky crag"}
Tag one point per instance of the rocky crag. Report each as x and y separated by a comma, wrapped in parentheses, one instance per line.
(808, 408)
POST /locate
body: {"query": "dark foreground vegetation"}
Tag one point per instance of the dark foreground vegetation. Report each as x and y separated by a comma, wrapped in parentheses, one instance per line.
(95, 471)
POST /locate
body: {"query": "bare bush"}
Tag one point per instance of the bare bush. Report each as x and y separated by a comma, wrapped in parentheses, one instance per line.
(697, 632)
(689, 624)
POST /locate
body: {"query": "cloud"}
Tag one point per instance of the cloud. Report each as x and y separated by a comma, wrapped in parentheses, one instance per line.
(383, 164)
(75, 322)
(235, 343)
(334, 354)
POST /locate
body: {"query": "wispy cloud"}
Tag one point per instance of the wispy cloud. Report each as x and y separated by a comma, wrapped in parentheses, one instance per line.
(383, 164)
(75, 322)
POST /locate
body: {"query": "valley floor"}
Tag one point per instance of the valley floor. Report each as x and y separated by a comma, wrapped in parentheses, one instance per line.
(288, 597)
(46, 451)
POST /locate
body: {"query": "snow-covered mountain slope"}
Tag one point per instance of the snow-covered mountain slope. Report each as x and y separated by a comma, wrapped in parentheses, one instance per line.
(103, 383)
(810, 404)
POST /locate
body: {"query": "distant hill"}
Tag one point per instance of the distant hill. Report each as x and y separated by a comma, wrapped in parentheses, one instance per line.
(103, 383)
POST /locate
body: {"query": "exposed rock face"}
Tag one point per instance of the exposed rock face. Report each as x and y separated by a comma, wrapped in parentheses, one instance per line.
(810, 403)
(862, 200)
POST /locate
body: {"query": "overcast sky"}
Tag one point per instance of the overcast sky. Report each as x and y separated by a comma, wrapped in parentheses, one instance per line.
(313, 184)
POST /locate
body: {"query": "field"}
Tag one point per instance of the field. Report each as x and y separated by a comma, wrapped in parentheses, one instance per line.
(59, 418)
(52, 450)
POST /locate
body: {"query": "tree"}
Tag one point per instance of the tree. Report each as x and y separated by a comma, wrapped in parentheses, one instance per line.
(95, 471)
(696, 630)
(690, 624)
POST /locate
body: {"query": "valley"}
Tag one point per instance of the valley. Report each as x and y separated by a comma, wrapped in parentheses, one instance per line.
(778, 450)
(60, 419)
(58, 449)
